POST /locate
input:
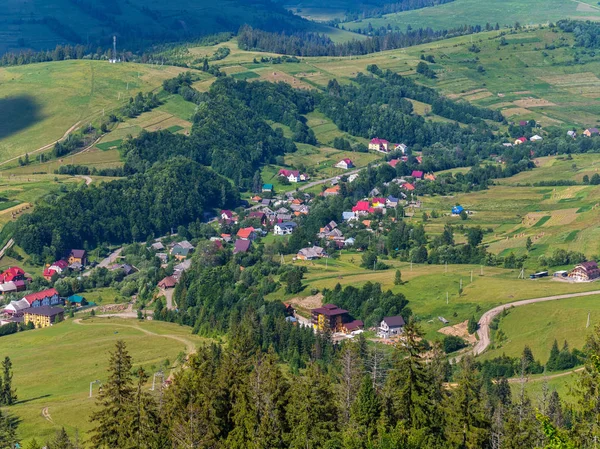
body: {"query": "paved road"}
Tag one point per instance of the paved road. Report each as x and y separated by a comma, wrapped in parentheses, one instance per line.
(486, 319)
(8, 245)
(112, 258)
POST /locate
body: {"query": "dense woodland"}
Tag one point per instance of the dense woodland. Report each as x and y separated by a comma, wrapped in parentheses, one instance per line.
(304, 43)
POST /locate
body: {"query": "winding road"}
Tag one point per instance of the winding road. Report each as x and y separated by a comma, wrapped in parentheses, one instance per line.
(486, 319)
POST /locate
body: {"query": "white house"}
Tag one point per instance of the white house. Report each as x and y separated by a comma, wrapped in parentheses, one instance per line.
(285, 228)
(400, 147)
(390, 326)
(571, 133)
(352, 177)
(535, 138)
(345, 164)
(349, 241)
(17, 306)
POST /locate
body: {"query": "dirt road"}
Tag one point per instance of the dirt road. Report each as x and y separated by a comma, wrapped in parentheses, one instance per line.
(484, 323)
(87, 179)
(8, 245)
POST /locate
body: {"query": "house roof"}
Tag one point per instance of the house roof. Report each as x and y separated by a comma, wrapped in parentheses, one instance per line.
(245, 233)
(45, 311)
(40, 295)
(347, 161)
(392, 199)
(394, 321)
(287, 173)
(354, 325)
(168, 282)
(378, 200)
(256, 214)
(590, 265)
(378, 141)
(76, 298)
(227, 213)
(11, 273)
(408, 186)
(362, 206)
(394, 162)
(287, 224)
(347, 215)
(62, 264)
(315, 251)
(78, 253)
(417, 174)
(522, 139)
(329, 310)
(593, 130)
(242, 246)
(267, 186)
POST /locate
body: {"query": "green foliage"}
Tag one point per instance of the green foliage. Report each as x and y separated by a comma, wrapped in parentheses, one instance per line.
(473, 325)
(398, 278)
(453, 343)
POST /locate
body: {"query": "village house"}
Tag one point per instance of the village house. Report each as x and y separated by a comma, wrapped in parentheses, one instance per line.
(226, 215)
(267, 187)
(44, 316)
(56, 268)
(157, 246)
(181, 267)
(316, 252)
(345, 164)
(242, 246)
(17, 307)
(378, 144)
(300, 209)
(163, 257)
(182, 250)
(571, 134)
(456, 210)
(391, 202)
(348, 216)
(378, 203)
(349, 241)
(400, 147)
(520, 140)
(284, 228)
(13, 286)
(353, 177)
(408, 186)
(256, 199)
(168, 282)
(331, 191)
(12, 274)
(393, 162)
(246, 233)
(76, 301)
(293, 175)
(430, 177)
(390, 326)
(591, 132)
(417, 174)
(352, 326)
(362, 208)
(585, 272)
(78, 256)
(261, 217)
(48, 297)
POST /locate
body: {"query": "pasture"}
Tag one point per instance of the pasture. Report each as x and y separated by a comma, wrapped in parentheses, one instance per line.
(538, 325)
(40, 102)
(475, 12)
(60, 383)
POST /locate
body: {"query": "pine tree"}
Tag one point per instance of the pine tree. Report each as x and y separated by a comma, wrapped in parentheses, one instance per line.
(145, 420)
(553, 358)
(467, 425)
(61, 441)
(528, 244)
(33, 444)
(114, 402)
(311, 412)
(8, 396)
(398, 278)
(365, 410)
(349, 379)
(8, 430)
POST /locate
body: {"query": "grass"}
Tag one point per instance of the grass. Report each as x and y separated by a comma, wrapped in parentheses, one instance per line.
(426, 286)
(49, 98)
(474, 12)
(61, 382)
(538, 325)
(108, 145)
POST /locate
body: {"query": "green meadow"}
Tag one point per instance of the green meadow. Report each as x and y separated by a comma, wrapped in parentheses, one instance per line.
(53, 367)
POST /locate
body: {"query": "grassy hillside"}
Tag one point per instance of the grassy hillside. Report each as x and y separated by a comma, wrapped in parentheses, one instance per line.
(40, 102)
(476, 12)
(60, 383)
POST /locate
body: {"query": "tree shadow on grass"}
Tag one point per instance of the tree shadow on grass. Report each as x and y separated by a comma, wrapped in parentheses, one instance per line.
(25, 401)
(18, 113)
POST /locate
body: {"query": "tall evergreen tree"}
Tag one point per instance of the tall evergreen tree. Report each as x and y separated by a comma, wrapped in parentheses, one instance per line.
(61, 441)
(114, 402)
(145, 427)
(9, 395)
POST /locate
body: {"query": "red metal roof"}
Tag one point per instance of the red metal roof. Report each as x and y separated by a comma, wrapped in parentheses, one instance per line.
(40, 295)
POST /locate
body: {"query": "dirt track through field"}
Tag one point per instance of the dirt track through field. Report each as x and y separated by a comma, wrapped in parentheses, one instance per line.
(190, 347)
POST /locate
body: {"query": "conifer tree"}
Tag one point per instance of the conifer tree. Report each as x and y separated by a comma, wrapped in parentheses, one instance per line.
(398, 278)
(8, 396)
(114, 402)
(365, 410)
(61, 441)
(467, 425)
(145, 420)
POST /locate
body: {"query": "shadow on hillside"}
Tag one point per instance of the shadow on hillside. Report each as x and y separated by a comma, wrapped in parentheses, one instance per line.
(18, 113)
(25, 401)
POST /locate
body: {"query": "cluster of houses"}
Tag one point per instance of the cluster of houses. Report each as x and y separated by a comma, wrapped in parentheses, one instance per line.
(13, 279)
(366, 207)
(330, 317)
(178, 250)
(76, 261)
(38, 308)
(383, 146)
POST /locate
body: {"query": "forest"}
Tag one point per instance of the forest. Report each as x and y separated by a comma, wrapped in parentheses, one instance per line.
(150, 203)
(306, 43)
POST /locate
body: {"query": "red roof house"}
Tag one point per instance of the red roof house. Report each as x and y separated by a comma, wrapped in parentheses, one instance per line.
(418, 174)
(363, 207)
(394, 162)
(47, 297)
(246, 233)
(12, 274)
(408, 186)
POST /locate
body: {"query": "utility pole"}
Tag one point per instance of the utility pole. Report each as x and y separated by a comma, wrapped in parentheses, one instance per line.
(471, 275)
(588, 320)
(91, 385)
(481, 273)
(446, 298)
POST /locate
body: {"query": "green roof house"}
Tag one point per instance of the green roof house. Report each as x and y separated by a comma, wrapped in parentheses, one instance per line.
(267, 187)
(77, 300)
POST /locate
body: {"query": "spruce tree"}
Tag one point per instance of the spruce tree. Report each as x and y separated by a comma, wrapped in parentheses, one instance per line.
(114, 402)
(8, 396)
(33, 444)
(365, 410)
(398, 278)
(467, 425)
(61, 441)
(145, 420)
(553, 358)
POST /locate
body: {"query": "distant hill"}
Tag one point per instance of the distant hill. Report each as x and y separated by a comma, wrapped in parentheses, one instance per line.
(42, 24)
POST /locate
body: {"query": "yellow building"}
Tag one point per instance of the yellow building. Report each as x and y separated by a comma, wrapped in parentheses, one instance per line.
(44, 316)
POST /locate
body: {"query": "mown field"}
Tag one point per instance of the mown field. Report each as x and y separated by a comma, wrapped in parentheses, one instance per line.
(40, 102)
(475, 12)
(60, 382)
